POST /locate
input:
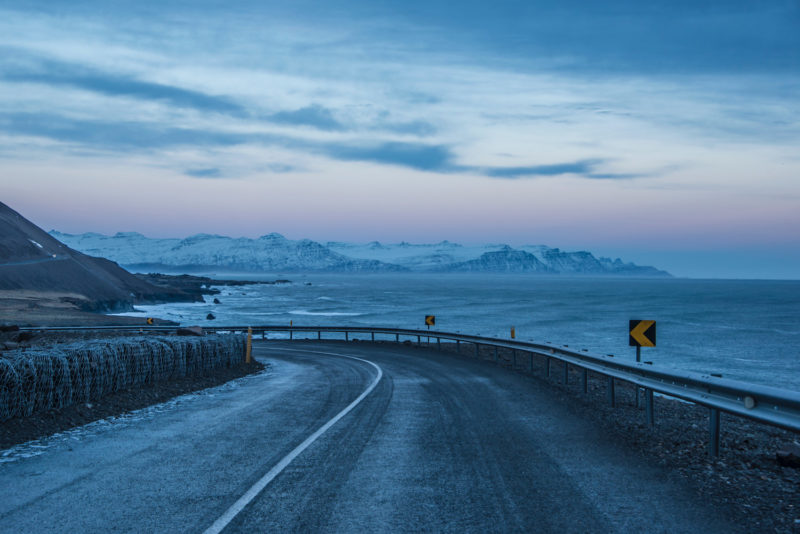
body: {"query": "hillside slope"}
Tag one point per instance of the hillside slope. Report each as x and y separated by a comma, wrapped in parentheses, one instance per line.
(33, 261)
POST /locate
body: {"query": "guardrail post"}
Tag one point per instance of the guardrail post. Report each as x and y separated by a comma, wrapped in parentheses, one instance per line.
(319, 334)
(713, 442)
(397, 338)
(291, 334)
(346, 336)
(419, 341)
(249, 344)
(458, 346)
(439, 343)
(648, 400)
(373, 336)
(612, 395)
(586, 381)
(566, 373)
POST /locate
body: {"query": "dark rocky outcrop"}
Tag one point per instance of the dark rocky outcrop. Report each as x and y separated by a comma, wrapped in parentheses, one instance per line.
(32, 260)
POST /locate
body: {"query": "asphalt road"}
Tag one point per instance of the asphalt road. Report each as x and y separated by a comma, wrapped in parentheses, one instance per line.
(399, 439)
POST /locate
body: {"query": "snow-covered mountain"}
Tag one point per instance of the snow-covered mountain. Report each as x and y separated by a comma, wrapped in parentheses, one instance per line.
(268, 253)
(448, 256)
(275, 253)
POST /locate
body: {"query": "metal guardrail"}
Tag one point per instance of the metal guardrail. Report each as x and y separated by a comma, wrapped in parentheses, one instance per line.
(773, 406)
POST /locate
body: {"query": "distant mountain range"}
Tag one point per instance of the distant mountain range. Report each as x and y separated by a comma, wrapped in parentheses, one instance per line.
(274, 253)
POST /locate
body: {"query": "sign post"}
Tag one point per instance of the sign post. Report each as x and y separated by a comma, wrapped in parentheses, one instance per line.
(641, 333)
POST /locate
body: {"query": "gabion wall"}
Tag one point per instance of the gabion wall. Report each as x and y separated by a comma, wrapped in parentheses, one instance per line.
(68, 374)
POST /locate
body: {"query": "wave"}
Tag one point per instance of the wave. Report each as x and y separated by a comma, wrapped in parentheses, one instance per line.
(326, 314)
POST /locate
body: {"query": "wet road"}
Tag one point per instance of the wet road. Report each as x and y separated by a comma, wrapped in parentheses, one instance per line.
(351, 437)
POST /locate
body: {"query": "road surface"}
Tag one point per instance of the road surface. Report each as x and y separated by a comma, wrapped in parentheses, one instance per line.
(350, 437)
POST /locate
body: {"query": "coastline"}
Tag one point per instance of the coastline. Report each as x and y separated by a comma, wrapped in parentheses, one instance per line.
(52, 308)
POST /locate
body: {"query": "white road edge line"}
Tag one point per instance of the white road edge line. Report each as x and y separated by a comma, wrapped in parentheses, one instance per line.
(262, 483)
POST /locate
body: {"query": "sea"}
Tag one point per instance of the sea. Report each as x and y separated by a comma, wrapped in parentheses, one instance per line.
(746, 330)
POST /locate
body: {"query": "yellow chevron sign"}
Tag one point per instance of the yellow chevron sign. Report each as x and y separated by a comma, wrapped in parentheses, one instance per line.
(149, 320)
(642, 333)
(430, 320)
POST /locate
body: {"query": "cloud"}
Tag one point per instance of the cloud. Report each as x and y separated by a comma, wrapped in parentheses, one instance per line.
(314, 115)
(126, 136)
(280, 168)
(418, 128)
(584, 168)
(418, 156)
(204, 173)
(112, 135)
(62, 74)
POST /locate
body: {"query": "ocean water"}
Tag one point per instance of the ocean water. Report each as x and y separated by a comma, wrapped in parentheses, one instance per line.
(744, 329)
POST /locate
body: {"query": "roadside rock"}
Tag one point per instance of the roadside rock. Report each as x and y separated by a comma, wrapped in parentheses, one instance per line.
(191, 331)
(23, 337)
(211, 317)
(789, 456)
(216, 301)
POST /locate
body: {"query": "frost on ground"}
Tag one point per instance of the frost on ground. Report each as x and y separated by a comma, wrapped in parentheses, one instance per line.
(36, 447)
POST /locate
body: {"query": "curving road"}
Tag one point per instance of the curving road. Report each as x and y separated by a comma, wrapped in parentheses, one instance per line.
(350, 437)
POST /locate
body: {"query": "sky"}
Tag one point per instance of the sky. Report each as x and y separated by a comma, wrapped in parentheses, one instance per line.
(664, 132)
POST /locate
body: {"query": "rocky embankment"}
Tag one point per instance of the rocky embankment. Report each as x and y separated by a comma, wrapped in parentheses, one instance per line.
(197, 286)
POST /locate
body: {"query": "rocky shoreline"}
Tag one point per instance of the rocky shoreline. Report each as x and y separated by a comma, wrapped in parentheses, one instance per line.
(37, 308)
(197, 286)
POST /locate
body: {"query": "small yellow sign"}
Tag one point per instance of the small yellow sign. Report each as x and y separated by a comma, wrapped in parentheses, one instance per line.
(149, 320)
(642, 333)
(430, 320)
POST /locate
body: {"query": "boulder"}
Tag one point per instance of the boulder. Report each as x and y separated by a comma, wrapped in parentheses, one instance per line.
(789, 456)
(191, 331)
(211, 317)
(216, 301)
(22, 337)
